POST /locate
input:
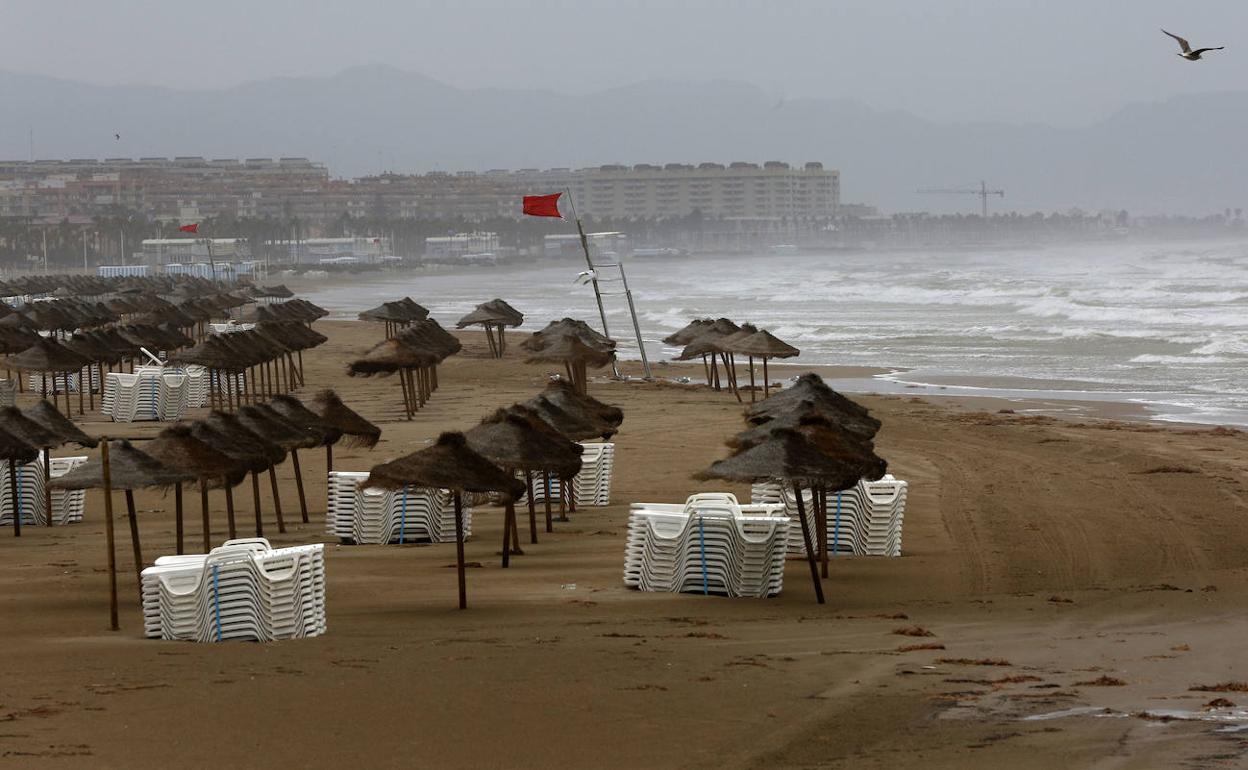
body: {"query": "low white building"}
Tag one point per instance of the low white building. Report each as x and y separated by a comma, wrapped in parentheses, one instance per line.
(162, 251)
(461, 245)
(600, 244)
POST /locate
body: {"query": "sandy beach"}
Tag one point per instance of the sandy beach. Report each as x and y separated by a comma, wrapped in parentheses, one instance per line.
(1064, 584)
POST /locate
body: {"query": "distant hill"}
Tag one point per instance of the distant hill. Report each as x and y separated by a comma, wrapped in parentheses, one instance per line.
(1181, 155)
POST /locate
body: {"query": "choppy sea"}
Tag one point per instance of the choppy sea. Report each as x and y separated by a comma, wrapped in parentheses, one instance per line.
(1162, 325)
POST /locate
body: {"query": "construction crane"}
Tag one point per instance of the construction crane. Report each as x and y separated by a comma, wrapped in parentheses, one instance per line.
(983, 192)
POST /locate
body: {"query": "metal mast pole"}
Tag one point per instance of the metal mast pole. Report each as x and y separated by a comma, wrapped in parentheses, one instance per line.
(632, 310)
(593, 275)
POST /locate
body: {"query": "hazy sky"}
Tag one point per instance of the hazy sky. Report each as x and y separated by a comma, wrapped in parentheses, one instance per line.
(1058, 61)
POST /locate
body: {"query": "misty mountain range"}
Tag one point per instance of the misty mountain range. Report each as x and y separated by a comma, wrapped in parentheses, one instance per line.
(1181, 155)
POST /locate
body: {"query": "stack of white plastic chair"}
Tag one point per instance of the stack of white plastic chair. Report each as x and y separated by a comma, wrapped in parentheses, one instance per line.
(865, 520)
(366, 515)
(197, 384)
(67, 504)
(30, 501)
(230, 326)
(775, 493)
(708, 545)
(592, 485)
(58, 383)
(245, 590)
(150, 393)
(8, 393)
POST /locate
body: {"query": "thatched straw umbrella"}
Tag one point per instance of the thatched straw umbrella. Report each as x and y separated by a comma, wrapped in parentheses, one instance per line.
(129, 469)
(789, 455)
(396, 315)
(562, 394)
(689, 333)
(16, 452)
(390, 356)
(810, 392)
(518, 440)
(766, 346)
(826, 432)
(65, 432)
(707, 345)
(49, 357)
(264, 422)
(492, 315)
(353, 428)
(29, 432)
(177, 447)
(254, 451)
(576, 356)
(448, 464)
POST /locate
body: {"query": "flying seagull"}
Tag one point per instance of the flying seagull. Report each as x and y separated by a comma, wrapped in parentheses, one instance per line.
(1188, 53)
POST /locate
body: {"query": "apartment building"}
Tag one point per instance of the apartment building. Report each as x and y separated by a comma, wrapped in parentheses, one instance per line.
(773, 190)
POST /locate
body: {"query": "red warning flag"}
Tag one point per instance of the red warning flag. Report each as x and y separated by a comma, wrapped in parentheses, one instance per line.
(189, 228)
(542, 205)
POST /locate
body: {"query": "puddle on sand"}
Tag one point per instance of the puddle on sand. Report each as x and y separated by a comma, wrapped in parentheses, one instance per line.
(1233, 720)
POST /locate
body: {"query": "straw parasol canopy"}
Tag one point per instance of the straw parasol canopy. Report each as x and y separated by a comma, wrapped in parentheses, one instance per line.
(792, 456)
(178, 448)
(295, 412)
(763, 345)
(450, 463)
(562, 394)
(254, 444)
(27, 429)
(14, 450)
(517, 438)
(495, 312)
(388, 357)
(827, 435)
(494, 317)
(355, 429)
(47, 417)
(689, 333)
(811, 388)
(273, 427)
(129, 469)
(577, 426)
(46, 355)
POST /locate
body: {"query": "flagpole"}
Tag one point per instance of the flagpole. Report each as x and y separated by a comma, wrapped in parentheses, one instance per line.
(593, 276)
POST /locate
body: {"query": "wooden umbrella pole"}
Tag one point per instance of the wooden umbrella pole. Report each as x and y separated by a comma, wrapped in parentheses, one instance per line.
(177, 518)
(203, 512)
(489, 338)
(550, 527)
(732, 364)
(528, 480)
(810, 547)
(134, 540)
(563, 493)
(329, 460)
(407, 401)
(47, 486)
(255, 495)
(110, 538)
(302, 381)
(229, 510)
(751, 362)
(80, 387)
(277, 500)
(509, 510)
(459, 550)
(766, 379)
(303, 502)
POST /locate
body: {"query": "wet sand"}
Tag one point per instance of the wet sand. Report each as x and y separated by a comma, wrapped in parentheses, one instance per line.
(1061, 550)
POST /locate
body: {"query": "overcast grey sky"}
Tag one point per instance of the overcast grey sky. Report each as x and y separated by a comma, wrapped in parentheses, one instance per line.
(1059, 61)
